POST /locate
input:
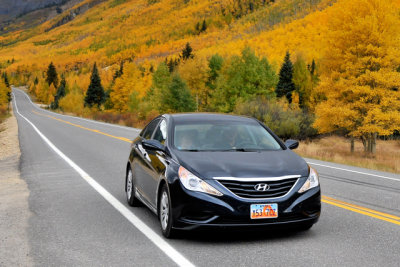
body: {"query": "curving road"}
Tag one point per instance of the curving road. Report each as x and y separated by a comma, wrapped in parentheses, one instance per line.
(74, 169)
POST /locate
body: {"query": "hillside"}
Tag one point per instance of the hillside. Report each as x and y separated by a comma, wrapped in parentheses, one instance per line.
(120, 29)
(300, 66)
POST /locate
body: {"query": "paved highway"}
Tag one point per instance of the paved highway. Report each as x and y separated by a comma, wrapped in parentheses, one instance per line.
(75, 168)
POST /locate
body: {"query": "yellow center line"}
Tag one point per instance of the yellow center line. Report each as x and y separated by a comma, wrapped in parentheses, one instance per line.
(361, 211)
(361, 208)
(82, 127)
(325, 199)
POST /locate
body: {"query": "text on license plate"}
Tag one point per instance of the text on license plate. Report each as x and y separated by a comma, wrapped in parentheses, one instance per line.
(262, 211)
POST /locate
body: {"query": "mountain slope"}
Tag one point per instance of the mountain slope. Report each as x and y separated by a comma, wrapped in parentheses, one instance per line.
(148, 30)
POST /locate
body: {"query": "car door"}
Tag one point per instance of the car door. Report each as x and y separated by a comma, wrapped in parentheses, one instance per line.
(157, 163)
(143, 168)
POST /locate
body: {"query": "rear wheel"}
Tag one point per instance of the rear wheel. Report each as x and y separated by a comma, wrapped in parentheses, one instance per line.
(165, 213)
(130, 189)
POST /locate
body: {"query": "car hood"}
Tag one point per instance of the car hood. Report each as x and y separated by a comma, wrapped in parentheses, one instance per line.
(209, 165)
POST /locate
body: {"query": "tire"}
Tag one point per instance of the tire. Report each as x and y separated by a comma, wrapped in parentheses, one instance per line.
(130, 190)
(165, 213)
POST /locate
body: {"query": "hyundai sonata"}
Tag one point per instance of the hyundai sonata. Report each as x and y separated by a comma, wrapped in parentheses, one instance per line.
(213, 170)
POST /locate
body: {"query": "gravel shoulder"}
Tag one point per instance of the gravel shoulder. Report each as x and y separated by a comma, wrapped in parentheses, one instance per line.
(14, 193)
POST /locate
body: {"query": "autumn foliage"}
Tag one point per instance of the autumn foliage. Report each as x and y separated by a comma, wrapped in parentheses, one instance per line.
(223, 56)
(361, 80)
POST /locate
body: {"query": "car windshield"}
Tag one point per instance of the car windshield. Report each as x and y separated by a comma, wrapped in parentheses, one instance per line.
(223, 136)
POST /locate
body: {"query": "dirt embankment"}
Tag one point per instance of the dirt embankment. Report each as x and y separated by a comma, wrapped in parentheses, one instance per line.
(14, 209)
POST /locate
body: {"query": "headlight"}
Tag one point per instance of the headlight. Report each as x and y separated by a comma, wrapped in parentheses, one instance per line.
(193, 183)
(312, 181)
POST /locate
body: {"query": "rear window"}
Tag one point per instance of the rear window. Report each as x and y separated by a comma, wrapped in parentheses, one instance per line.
(223, 136)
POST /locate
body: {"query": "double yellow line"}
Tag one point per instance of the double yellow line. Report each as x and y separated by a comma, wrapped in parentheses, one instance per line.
(325, 199)
(362, 210)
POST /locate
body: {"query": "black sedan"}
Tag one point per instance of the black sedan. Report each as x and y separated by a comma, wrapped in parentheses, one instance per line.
(212, 170)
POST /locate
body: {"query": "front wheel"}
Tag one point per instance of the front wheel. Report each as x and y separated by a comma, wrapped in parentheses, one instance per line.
(165, 213)
(130, 190)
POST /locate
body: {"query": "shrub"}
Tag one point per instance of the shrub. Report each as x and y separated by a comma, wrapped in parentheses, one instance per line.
(287, 121)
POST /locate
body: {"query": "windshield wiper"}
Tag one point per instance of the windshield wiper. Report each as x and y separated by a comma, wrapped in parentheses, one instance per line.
(222, 150)
(241, 149)
(246, 149)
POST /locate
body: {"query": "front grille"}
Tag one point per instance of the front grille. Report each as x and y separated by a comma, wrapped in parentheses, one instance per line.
(246, 189)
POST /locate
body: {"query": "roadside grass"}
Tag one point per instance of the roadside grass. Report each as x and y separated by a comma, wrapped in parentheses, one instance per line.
(337, 149)
(3, 116)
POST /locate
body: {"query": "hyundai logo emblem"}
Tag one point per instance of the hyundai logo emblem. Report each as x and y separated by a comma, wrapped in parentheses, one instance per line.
(261, 187)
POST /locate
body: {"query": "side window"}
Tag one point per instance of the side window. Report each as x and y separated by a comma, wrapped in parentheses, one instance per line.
(148, 132)
(161, 132)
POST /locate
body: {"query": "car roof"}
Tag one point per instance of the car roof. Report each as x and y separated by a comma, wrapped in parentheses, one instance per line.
(204, 117)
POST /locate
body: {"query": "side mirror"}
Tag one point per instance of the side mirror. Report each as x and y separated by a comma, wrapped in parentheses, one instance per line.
(153, 145)
(292, 144)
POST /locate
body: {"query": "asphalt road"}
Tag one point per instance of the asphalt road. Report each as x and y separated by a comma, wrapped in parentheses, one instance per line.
(74, 169)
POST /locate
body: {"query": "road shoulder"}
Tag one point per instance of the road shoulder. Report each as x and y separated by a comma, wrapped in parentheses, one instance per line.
(14, 193)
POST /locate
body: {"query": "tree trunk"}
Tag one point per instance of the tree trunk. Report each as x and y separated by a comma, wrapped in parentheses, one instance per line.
(352, 144)
(369, 149)
(364, 141)
(373, 143)
(197, 102)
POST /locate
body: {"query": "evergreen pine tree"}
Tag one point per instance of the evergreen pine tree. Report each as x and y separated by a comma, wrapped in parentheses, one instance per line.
(204, 26)
(312, 67)
(171, 65)
(119, 72)
(214, 65)
(159, 88)
(178, 97)
(51, 75)
(187, 52)
(95, 94)
(9, 98)
(36, 81)
(285, 85)
(6, 79)
(61, 92)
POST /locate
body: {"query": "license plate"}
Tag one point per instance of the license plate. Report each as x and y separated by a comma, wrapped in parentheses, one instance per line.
(263, 211)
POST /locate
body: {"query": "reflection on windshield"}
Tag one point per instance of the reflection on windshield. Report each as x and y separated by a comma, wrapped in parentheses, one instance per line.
(223, 137)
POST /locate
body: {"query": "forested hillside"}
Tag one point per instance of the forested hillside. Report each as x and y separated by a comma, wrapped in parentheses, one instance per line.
(302, 67)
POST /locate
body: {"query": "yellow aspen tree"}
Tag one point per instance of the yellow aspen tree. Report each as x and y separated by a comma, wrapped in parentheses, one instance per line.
(360, 81)
(72, 102)
(132, 80)
(42, 91)
(3, 94)
(194, 72)
(51, 94)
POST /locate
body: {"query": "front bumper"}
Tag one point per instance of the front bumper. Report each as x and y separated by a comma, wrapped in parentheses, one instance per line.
(192, 210)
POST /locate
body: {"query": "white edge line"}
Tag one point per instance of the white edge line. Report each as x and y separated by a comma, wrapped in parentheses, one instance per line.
(364, 173)
(171, 252)
(74, 117)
